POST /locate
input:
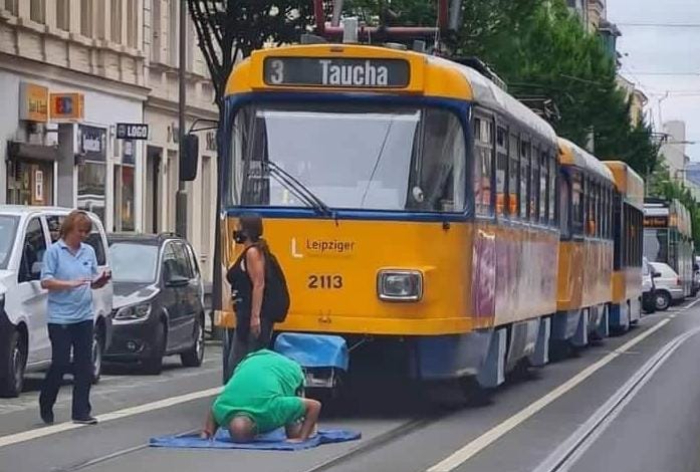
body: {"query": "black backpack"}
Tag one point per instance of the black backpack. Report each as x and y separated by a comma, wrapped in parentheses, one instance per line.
(276, 297)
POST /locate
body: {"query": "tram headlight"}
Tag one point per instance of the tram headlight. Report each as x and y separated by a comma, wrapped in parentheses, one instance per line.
(400, 285)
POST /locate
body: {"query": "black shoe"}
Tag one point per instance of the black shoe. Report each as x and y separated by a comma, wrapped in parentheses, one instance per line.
(46, 416)
(86, 420)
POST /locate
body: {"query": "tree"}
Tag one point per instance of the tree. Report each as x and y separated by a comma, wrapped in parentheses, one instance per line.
(230, 29)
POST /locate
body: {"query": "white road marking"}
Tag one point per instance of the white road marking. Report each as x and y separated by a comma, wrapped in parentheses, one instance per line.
(482, 442)
(115, 415)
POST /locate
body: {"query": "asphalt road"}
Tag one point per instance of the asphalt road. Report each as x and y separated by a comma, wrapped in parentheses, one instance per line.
(630, 403)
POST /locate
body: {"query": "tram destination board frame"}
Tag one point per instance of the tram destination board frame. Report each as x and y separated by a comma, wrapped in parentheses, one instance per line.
(337, 72)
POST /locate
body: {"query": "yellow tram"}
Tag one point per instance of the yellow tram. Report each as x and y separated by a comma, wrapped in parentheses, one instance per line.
(628, 225)
(410, 201)
(586, 246)
(422, 214)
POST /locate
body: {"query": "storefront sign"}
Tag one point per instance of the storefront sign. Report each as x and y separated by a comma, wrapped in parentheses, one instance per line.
(656, 222)
(210, 141)
(67, 106)
(93, 143)
(33, 102)
(38, 185)
(132, 131)
(128, 153)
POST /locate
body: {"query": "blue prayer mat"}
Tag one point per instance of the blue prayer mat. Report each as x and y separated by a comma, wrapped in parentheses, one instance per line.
(274, 441)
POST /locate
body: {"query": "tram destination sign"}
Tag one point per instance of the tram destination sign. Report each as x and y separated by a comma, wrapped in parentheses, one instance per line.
(336, 72)
(656, 221)
(132, 131)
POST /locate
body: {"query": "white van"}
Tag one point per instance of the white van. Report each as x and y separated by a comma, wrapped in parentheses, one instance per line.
(25, 233)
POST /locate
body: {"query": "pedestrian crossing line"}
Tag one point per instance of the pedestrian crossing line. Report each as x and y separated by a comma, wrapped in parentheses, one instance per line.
(115, 415)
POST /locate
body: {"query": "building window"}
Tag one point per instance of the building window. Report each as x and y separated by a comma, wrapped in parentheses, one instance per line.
(37, 11)
(116, 26)
(87, 14)
(157, 31)
(132, 24)
(63, 14)
(124, 198)
(12, 6)
(92, 173)
(172, 33)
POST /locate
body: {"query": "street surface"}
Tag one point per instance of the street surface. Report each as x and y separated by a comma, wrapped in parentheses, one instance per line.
(630, 403)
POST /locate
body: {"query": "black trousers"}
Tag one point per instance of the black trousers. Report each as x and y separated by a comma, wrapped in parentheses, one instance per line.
(244, 341)
(63, 337)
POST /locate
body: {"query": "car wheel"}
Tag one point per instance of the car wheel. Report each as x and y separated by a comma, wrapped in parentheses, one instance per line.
(194, 356)
(154, 363)
(98, 347)
(662, 300)
(12, 384)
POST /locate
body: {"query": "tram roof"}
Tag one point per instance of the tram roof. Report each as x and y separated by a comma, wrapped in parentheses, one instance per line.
(571, 154)
(628, 183)
(429, 76)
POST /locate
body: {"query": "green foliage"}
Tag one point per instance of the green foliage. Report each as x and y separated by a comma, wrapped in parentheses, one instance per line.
(228, 29)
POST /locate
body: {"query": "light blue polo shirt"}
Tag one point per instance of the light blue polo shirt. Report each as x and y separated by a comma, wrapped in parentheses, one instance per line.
(73, 305)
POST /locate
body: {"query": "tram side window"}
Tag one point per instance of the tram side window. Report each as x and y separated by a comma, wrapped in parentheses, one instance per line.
(535, 184)
(501, 171)
(483, 139)
(577, 203)
(596, 209)
(618, 232)
(514, 177)
(525, 179)
(564, 205)
(553, 171)
(544, 181)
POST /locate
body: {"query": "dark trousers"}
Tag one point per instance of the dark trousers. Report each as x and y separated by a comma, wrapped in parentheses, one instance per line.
(244, 341)
(63, 337)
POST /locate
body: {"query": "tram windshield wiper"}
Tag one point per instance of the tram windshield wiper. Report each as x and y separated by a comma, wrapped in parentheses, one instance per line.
(296, 187)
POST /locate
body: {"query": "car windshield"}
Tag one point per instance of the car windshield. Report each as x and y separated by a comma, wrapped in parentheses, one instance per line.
(133, 262)
(348, 157)
(8, 229)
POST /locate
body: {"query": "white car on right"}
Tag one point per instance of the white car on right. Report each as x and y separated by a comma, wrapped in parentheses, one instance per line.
(669, 287)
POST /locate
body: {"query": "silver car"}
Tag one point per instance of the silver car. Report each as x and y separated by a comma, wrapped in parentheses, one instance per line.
(669, 287)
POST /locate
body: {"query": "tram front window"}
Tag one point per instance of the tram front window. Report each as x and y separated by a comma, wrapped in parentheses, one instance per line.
(348, 157)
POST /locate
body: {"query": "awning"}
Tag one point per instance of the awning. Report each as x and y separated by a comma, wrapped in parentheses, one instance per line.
(18, 150)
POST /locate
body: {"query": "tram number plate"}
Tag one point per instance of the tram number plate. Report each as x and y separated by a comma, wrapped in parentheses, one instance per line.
(325, 282)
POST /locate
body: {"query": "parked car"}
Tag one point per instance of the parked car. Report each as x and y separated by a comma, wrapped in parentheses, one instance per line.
(158, 301)
(669, 287)
(25, 234)
(696, 280)
(648, 287)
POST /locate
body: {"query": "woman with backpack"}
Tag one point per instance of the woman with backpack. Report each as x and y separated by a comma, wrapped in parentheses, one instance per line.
(259, 290)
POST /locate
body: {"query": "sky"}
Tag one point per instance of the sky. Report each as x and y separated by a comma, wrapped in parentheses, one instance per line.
(661, 59)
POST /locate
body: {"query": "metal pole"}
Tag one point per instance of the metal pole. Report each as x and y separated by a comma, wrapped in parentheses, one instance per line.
(181, 196)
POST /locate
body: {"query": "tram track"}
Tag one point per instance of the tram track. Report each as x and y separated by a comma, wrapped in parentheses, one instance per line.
(565, 456)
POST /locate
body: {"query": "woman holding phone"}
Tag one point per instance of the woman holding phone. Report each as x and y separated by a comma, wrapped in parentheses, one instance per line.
(69, 273)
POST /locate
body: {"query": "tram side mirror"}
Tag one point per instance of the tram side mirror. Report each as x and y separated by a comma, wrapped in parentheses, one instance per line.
(189, 161)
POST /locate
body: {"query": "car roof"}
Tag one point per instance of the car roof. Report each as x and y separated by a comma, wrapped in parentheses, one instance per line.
(143, 238)
(662, 265)
(19, 210)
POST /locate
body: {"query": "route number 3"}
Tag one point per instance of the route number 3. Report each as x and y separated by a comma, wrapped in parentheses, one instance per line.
(277, 76)
(325, 282)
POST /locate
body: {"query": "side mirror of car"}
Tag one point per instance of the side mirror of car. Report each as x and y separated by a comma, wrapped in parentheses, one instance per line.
(176, 281)
(656, 275)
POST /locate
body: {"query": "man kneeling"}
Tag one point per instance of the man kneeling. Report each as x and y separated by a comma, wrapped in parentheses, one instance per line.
(264, 394)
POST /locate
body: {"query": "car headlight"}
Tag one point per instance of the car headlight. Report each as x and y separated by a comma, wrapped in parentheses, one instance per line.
(133, 312)
(400, 285)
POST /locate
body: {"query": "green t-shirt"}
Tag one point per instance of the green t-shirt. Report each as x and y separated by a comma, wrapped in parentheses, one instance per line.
(264, 388)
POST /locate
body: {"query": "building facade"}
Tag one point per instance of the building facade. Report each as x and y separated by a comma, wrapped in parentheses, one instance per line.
(673, 149)
(70, 72)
